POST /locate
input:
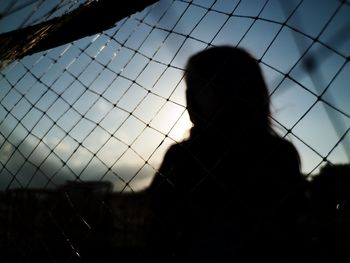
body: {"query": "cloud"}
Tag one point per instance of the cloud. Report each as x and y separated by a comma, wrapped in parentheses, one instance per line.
(36, 172)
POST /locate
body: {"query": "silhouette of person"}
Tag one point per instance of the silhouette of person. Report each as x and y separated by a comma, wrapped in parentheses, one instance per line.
(233, 190)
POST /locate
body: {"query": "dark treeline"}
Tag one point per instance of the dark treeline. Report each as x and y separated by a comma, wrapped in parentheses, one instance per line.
(77, 222)
(87, 222)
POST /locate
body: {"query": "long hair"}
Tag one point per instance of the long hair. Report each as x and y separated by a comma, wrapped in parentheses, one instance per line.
(225, 87)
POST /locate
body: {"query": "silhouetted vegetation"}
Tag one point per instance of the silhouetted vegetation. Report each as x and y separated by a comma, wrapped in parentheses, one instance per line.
(328, 221)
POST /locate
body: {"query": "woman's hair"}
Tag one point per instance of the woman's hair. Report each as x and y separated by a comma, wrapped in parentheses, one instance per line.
(225, 86)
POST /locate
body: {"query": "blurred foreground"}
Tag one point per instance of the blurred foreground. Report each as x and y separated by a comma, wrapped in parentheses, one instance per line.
(87, 222)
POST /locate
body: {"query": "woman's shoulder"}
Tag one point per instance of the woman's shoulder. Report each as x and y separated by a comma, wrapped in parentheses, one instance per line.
(277, 153)
(176, 153)
(285, 153)
(177, 149)
(283, 144)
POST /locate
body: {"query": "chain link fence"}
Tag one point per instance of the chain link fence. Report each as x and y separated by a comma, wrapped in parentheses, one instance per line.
(84, 125)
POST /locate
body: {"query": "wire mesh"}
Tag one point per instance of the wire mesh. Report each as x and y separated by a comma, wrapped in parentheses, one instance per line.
(105, 108)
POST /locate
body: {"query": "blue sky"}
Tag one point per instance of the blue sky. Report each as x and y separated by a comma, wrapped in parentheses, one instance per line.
(107, 107)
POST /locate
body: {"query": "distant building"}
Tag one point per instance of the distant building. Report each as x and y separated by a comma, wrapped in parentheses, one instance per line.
(97, 187)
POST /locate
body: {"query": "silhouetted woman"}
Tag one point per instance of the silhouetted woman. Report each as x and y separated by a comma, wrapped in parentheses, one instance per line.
(232, 191)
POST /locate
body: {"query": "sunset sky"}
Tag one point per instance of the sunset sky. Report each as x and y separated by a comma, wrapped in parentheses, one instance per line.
(107, 107)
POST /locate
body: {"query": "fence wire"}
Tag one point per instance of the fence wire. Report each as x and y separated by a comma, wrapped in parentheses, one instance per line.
(96, 115)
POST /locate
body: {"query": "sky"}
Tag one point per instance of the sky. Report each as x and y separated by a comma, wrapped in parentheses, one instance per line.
(108, 106)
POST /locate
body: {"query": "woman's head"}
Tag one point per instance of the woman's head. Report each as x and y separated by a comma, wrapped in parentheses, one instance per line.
(225, 86)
